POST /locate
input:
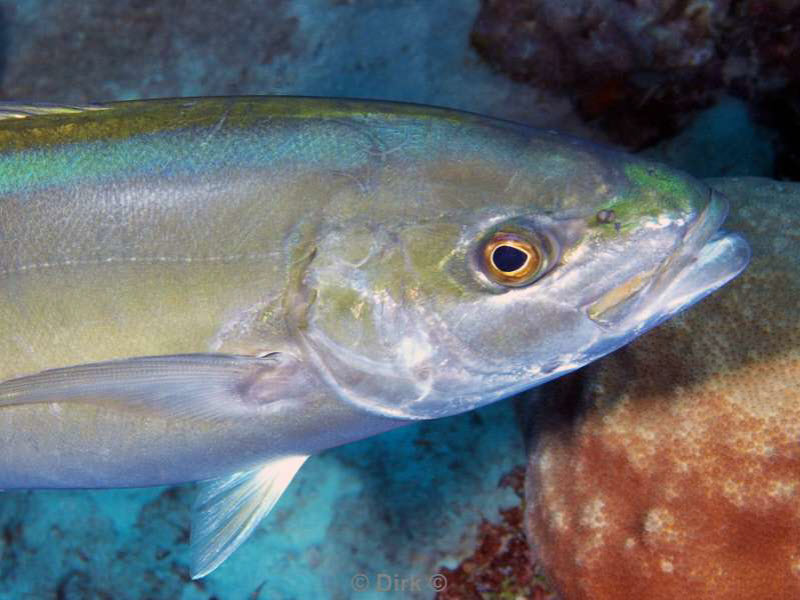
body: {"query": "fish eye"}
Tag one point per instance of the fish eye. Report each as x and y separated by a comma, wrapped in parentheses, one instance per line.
(511, 260)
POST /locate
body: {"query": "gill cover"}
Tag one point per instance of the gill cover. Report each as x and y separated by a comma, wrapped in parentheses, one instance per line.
(383, 328)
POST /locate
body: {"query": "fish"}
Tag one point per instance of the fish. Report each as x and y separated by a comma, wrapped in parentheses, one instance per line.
(215, 289)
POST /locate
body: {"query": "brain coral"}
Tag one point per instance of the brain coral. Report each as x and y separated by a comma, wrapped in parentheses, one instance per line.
(672, 468)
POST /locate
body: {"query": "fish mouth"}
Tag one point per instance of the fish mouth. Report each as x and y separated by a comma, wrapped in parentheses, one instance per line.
(706, 259)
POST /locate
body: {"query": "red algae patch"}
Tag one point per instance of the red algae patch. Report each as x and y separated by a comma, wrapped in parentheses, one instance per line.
(500, 566)
(672, 468)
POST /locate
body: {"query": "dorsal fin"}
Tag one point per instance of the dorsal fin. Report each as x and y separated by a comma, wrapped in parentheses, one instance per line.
(23, 110)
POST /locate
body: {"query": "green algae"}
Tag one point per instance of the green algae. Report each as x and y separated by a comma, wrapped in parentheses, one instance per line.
(654, 191)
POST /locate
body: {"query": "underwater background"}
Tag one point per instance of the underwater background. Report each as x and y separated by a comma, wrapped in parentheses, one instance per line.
(712, 87)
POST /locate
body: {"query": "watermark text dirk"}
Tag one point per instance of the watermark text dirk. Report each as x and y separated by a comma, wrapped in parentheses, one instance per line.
(392, 582)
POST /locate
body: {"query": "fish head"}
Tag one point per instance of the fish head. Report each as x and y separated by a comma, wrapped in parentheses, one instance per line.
(521, 259)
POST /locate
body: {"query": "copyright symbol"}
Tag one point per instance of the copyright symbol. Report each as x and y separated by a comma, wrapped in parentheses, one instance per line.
(360, 582)
(438, 582)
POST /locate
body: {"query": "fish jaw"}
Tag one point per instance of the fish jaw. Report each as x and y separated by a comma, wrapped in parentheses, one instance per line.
(705, 260)
(720, 260)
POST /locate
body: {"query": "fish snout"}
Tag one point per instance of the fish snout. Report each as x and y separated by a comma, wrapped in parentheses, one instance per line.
(706, 259)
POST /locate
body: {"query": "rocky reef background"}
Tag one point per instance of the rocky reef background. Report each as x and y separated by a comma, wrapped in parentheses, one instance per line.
(709, 86)
(638, 69)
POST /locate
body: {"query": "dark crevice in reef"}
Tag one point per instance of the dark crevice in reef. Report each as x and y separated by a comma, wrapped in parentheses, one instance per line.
(638, 71)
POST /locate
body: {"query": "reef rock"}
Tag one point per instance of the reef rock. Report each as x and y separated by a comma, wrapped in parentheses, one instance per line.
(637, 67)
(671, 469)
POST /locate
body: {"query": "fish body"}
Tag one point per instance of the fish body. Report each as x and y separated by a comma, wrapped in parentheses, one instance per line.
(215, 289)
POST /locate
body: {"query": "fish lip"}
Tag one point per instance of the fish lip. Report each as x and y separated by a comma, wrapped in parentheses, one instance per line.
(697, 235)
(720, 259)
(705, 259)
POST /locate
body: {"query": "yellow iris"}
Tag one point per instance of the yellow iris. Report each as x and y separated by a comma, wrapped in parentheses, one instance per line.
(511, 260)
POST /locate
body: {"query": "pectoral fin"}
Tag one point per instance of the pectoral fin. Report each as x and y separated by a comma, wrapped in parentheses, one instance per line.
(201, 386)
(227, 510)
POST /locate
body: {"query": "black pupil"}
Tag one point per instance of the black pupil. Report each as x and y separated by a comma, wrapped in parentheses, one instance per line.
(508, 258)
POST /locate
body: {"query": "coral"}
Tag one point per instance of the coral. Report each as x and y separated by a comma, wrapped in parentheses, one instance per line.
(637, 67)
(500, 565)
(672, 468)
